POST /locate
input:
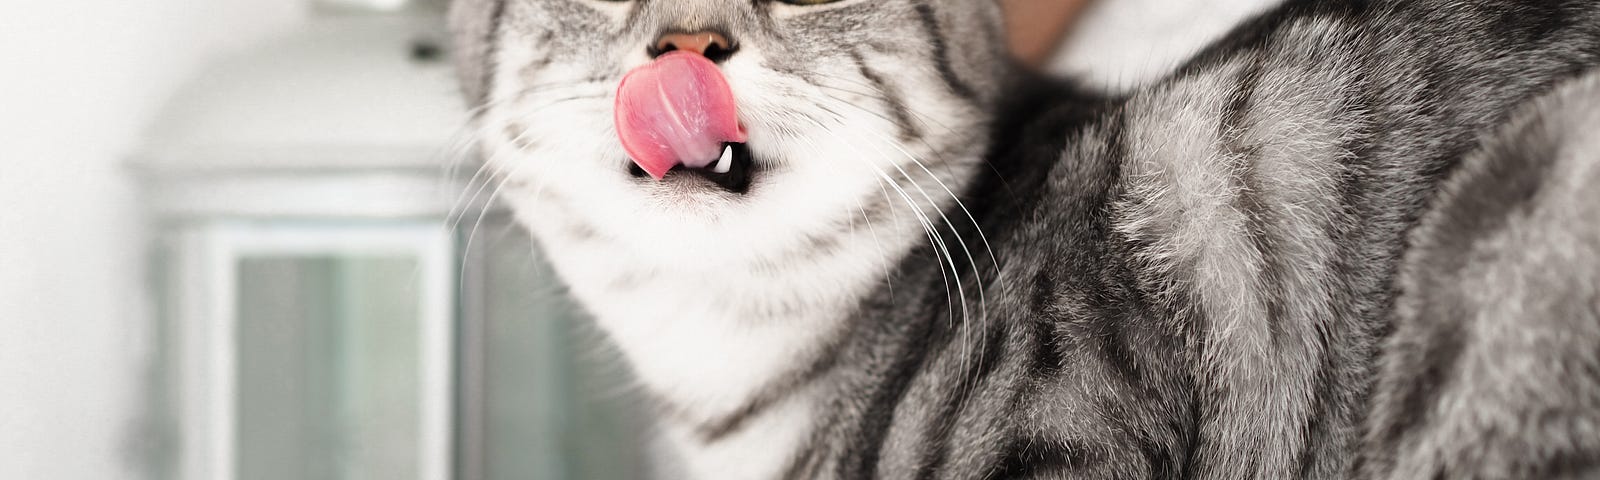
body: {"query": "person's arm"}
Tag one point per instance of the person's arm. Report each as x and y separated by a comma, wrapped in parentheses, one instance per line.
(1037, 26)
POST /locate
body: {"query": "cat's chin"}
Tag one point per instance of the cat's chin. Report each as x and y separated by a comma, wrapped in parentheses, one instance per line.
(689, 195)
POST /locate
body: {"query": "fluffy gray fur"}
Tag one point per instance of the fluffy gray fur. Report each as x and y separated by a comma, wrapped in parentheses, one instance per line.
(1351, 240)
(1493, 369)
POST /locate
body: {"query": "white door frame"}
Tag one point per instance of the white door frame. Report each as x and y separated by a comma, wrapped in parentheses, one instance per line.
(207, 256)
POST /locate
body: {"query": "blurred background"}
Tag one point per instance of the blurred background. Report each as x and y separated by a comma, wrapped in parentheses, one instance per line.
(247, 239)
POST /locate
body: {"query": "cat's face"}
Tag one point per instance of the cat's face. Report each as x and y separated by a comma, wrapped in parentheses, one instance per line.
(843, 101)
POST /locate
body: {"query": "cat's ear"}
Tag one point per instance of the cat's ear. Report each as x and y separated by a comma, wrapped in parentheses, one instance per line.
(473, 24)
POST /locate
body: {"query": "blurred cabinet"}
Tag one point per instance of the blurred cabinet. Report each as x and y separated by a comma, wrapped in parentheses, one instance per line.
(315, 351)
(336, 302)
(373, 323)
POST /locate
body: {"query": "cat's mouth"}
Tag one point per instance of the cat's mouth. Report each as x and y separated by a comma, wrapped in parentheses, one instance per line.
(731, 172)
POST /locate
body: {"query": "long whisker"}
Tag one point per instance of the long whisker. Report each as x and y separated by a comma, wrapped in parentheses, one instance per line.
(935, 240)
(941, 247)
(982, 296)
(487, 164)
(883, 256)
(487, 167)
(494, 194)
(927, 120)
(929, 198)
(966, 327)
(978, 228)
(465, 136)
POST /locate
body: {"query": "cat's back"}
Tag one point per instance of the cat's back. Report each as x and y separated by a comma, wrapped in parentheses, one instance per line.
(1493, 366)
(1248, 215)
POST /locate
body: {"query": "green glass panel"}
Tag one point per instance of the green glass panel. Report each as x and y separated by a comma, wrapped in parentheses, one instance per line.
(328, 368)
(557, 404)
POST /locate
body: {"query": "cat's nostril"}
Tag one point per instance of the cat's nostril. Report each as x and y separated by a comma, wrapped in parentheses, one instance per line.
(715, 46)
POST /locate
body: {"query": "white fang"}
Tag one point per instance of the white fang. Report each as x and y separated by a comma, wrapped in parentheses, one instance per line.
(726, 162)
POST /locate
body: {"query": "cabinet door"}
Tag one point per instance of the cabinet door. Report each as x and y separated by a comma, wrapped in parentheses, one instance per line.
(326, 352)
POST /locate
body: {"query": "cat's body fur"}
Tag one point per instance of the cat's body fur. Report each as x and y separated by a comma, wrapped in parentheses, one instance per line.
(1196, 281)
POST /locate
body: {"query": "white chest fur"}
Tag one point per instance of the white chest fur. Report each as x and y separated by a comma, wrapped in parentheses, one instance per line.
(708, 341)
(705, 332)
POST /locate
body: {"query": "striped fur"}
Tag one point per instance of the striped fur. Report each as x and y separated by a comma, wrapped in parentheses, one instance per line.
(1214, 277)
(1493, 370)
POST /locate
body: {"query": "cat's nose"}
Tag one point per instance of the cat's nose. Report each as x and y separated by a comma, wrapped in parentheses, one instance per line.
(713, 45)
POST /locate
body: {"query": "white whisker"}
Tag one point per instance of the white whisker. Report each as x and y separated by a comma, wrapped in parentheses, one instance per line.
(937, 240)
(982, 297)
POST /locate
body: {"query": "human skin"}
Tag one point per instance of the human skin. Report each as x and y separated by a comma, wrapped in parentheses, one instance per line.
(1036, 26)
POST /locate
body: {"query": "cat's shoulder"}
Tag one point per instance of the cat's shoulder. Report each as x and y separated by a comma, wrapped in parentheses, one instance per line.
(1498, 312)
(1540, 165)
(1527, 191)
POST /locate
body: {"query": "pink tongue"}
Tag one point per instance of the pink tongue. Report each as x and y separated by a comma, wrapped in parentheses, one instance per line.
(677, 109)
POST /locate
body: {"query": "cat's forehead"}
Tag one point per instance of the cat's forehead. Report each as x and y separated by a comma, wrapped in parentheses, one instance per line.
(602, 18)
(626, 17)
(602, 34)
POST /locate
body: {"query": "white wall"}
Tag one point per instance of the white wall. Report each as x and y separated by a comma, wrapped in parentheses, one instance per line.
(1122, 44)
(79, 80)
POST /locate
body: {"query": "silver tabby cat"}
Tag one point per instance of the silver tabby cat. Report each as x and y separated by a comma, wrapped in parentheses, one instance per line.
(1353, 239)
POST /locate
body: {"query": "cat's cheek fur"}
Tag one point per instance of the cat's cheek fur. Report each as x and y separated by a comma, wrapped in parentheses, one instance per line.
(707, 328)
(710, 296)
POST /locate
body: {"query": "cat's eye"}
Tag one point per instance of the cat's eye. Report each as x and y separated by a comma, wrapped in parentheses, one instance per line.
(807, 2)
